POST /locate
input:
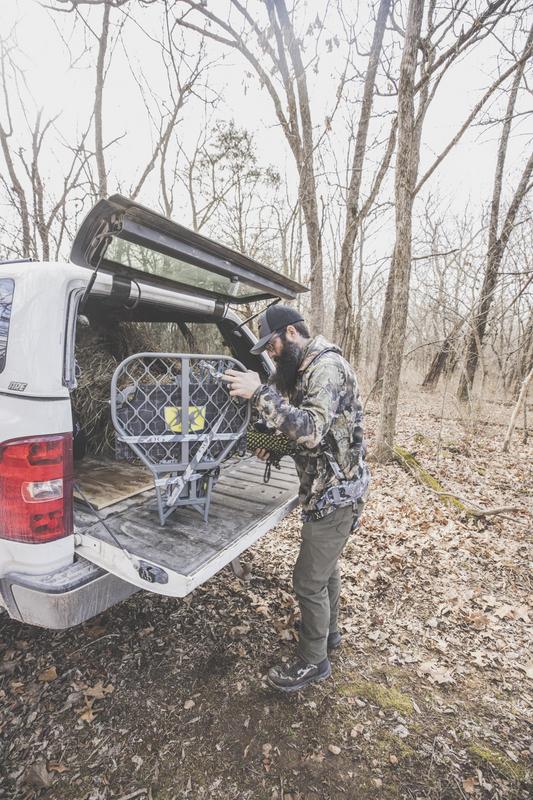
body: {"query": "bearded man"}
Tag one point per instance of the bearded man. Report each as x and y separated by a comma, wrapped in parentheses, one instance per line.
(313, 399)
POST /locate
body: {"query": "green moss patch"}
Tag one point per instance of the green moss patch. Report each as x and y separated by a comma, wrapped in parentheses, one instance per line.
(409, 462)
(499, 761)
(384, 696)
(393, 745)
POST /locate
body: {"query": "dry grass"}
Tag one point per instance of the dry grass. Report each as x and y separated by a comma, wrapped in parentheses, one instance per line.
(99, 350)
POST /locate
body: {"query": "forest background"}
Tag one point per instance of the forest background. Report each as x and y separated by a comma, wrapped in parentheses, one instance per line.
(381, 153)
(378, 152)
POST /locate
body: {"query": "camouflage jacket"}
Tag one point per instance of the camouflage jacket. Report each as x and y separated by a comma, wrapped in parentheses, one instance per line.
(323, 413)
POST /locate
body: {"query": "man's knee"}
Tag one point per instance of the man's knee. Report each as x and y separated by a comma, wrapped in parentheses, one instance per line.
(306, 585)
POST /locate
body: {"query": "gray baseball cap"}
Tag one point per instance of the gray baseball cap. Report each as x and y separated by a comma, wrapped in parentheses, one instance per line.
(272, 321)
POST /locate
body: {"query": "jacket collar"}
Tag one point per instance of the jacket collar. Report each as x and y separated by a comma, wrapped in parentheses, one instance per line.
(313, 348)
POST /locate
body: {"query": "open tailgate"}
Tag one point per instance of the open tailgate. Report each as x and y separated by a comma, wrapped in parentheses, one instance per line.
(187, 551)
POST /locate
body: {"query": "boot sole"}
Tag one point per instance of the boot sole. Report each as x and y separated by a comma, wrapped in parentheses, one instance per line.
(290, 689)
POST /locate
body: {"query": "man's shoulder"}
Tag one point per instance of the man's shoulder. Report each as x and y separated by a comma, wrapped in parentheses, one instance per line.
(330, 361)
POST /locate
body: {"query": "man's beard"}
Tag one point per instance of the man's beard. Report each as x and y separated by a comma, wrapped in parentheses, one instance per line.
(287, 364)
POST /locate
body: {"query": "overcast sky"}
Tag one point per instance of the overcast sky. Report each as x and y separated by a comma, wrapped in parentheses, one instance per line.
(58, 87)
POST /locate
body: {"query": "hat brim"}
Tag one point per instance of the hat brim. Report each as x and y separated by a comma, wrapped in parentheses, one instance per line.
(261, 344)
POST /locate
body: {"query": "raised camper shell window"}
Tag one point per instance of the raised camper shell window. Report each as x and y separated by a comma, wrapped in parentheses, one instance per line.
(123, 238)
(150, 261)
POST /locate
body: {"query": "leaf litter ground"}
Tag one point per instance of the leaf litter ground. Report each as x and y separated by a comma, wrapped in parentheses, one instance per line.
(431, 689)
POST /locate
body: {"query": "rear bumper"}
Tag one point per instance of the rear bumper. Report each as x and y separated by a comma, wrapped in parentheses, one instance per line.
(63, 598)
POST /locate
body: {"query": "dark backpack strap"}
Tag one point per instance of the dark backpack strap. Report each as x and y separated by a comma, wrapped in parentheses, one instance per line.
(319, 355)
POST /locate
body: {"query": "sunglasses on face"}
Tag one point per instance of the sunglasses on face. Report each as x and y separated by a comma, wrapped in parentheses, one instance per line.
(270, 346)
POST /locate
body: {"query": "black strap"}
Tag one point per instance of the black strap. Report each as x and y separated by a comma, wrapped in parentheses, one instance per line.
(103, 522)
(319, 355)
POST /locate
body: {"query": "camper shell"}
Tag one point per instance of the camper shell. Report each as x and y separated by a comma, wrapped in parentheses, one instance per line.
(63, 559)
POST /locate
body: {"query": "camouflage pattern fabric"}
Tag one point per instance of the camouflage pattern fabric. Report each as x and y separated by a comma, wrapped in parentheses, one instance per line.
(323, 413)
(276, 444)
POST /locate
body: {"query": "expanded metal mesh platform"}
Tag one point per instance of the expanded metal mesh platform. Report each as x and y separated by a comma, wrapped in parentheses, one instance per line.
(174, 412)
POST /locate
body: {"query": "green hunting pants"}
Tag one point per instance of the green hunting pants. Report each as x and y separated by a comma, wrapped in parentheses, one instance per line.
(317, 580)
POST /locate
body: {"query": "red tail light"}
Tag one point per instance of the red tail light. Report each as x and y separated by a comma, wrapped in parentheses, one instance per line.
(36, 488)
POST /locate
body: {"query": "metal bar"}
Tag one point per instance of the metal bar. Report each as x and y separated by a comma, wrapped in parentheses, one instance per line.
(255, 275)
(185, 402)
(146, 394)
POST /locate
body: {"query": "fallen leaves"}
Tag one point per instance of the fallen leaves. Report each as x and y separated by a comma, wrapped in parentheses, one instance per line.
(47, 675)
(528, 669)
(98, 691)
(60, 768)
(469, 785)
(87, 714)
(90, 695)
(435, 673)
(426, 595)
(37, 776)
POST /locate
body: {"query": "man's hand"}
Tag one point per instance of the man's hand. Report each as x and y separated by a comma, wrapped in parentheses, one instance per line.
(262, 454)
(242, 384)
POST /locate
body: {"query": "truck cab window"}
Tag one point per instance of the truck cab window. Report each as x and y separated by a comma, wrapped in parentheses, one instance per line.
(7, 288)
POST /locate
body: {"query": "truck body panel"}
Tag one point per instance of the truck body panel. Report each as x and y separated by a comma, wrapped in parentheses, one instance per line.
(63, 582)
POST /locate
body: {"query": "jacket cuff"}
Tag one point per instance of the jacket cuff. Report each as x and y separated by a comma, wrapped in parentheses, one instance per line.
(258, 394)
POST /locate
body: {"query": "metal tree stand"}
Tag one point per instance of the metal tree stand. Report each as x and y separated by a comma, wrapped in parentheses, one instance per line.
(176, 415)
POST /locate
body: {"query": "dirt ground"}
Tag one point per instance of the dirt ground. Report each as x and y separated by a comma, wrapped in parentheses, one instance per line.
(431, 690)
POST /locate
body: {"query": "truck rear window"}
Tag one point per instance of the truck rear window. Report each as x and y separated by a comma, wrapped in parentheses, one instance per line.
(7, 287)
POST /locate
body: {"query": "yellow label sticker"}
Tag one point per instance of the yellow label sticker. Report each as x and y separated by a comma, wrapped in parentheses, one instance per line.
(196, 418)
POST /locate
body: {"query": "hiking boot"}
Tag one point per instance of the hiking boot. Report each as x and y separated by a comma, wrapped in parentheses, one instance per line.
(298, 675)
(334, 638)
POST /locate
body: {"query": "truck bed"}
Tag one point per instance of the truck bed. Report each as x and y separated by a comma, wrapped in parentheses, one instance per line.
(243, 507)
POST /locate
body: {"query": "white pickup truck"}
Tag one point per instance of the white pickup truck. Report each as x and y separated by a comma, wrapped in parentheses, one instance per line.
(60, 564)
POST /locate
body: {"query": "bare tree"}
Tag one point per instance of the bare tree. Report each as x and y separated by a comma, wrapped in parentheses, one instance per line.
(497, 239)
(39, 207)
(433, 70)
(98, 103)
(276, 49)
(405, 178)
(522, 399)
(344, 302)
(14, 187)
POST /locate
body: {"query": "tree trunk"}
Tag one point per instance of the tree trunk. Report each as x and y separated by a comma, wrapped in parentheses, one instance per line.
(405, 181)
(343, 300)
(21, 196)
(525, 361)
(306, 169)
(385, 328)
(38, 190)
(98, 98)
(522, 398)
(314, 241)
(496, 243)
(441, 360)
